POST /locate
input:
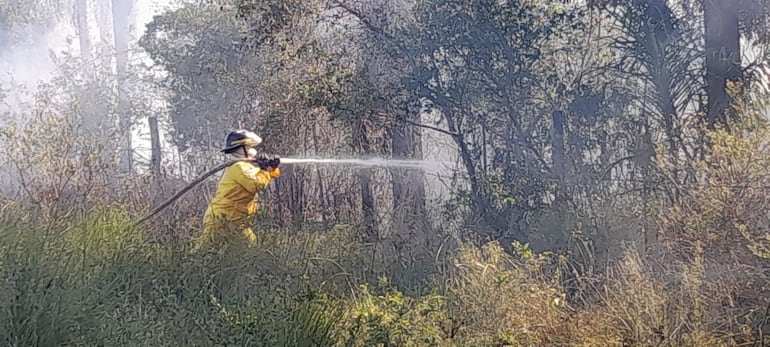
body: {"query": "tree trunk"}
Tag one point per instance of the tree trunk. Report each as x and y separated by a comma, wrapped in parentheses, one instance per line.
(723, 57)
(408, 185)
(90, 113)
(120, 25)
(417, 181)
(361, 143)
(155, 156)
(642, 170)
(478, 202)
(296, 199)
(662, 85)
(81, 6)
(104, 24)
(321, 188)
(557, 143)
(155, 145)
(558, 168)
(400, 144)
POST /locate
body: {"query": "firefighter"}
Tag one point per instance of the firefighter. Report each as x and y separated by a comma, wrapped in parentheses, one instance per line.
(228, 217)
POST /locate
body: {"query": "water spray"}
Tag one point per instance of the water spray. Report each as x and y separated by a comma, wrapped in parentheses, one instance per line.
(372, 162)
(361, 162)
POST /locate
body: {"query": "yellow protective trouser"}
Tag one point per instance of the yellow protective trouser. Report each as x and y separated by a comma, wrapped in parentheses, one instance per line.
(222, 235)
(224, 244)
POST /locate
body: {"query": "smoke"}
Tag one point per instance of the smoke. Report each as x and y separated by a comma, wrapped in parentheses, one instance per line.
(26, 54)
(26, 63)
(28, 51)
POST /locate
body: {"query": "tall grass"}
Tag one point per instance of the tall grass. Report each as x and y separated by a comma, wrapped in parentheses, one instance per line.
(93, 281)
(97, 282)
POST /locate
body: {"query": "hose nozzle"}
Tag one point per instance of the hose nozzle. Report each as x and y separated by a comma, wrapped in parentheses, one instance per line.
(265, 161)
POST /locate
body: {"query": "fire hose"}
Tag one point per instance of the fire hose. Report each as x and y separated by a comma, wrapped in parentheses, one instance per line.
(262, 161)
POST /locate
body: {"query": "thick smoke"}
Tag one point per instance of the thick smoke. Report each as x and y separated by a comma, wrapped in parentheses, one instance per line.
(27, 63)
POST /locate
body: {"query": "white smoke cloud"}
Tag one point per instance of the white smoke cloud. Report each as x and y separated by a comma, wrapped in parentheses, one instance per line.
(25, 64)
(26, 61)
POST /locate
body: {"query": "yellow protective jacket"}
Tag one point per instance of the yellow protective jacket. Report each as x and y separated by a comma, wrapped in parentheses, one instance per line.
(236, 200)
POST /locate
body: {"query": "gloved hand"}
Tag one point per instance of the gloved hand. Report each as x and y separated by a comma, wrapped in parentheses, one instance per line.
(274, 162)
(262, 161)
(265, 162)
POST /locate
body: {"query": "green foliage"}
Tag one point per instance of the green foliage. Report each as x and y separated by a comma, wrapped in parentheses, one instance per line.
(496, 72)
(390, 318)
(729, 208)
(212, 56)
(265, 18)
(208, 71)
(63, 286)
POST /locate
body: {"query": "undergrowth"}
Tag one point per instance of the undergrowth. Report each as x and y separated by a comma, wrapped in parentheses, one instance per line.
(94, 281)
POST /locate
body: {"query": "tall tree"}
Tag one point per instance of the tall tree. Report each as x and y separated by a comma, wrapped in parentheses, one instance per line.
(726, 26)
(723, 56)
(103, 14)
(81, 9)
(658, 52)
(121, 10)
(387, 58)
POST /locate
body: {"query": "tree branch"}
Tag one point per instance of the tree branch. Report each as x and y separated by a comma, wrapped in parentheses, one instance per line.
(425, 126)
(443, 131)
(362, 18)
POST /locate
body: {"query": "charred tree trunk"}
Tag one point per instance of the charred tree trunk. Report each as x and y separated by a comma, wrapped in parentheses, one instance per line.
(641, 170)
(155, 146)
(558, 169)
(723, 57)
